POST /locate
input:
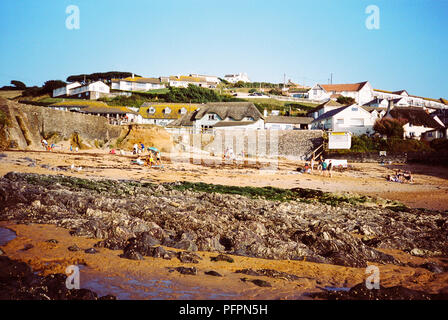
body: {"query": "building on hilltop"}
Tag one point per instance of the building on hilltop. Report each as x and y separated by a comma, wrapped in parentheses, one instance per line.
(91, 91)
(234, 78)
(137, 84)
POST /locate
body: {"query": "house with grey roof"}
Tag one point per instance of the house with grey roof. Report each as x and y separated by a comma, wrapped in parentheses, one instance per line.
(352, 118)
(419, 123)
(222, 116)
(287, 123)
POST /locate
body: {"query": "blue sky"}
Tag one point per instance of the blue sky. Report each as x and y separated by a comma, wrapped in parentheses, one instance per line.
(306, 40)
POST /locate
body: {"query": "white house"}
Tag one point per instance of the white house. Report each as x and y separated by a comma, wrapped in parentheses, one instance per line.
(90, 91)
(361, 91)
(209, 79)
(418, 122)
(137, 84)
(323, 108)
(185, 81)
(222, 116)
(65, 91)
(351, 118)
(234, 78)
(317, 92)
(406, 99)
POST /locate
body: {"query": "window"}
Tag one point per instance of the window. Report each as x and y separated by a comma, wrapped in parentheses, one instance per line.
(183, 111)
(429, 134)
(167, 111)
(212, 116)
(151, 110)
(357, 122)
(340, 121)
(355, 109)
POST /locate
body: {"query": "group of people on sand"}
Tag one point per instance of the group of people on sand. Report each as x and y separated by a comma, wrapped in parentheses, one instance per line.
(401, 176)
(46, 145)
(325, 168)
(153, 158)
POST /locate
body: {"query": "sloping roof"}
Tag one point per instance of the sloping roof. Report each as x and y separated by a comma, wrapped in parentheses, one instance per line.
(160, 107)
(289, 120)
(221, 124)
(344, 87)
(371, 108)
(184, 121)
(188, 79)
(234, 110)
(139, 80)
(80, 104)
(107, 110)
(415, 116)
(328, 103)
(330, 113)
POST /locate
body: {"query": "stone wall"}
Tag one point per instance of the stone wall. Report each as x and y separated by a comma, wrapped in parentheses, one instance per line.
(28, 124)
(294, 144)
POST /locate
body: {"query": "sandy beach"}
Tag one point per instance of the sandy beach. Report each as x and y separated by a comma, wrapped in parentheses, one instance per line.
(154, 278)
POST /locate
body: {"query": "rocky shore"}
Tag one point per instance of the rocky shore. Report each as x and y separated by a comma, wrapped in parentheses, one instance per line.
(19, 282)
(138, 217)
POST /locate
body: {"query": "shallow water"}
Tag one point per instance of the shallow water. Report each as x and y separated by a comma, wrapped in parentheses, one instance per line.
(143, 289)
(6, 235)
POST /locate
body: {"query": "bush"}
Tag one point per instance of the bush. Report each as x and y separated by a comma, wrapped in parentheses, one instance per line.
(345, 100)
(439, 144)
(390, 127)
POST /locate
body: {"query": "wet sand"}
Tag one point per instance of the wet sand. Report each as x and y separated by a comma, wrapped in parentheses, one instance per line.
(107, 273)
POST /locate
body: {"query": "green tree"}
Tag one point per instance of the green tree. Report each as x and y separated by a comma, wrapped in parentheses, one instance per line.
(50, 85)
(18, 84)
(390, 127)
(345, 100)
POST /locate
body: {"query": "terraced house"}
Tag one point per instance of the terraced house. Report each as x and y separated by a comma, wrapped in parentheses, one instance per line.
(162, 114)
(137, 84)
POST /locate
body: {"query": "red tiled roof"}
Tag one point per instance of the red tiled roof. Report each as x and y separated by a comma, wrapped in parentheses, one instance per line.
(344, 86)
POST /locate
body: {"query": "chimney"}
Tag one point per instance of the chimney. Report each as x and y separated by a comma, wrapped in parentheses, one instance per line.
(390, 106)
(133, 76)
(265, 113)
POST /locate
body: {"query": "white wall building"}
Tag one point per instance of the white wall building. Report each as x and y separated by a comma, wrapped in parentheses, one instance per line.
(351, 118)
(234, 78)
(137, 84)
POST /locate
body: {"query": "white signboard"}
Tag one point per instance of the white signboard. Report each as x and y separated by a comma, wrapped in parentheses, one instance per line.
(339, 140)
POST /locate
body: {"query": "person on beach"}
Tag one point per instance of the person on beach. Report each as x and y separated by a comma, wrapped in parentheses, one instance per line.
(158, 159)
(319, 165)
(324, 168)
(44, 143)
(150, 160)
(135, 151)
(329, 169)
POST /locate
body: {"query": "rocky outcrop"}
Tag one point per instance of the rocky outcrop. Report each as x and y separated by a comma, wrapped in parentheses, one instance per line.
(129, 215)
(27, 125)
(19, 282)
